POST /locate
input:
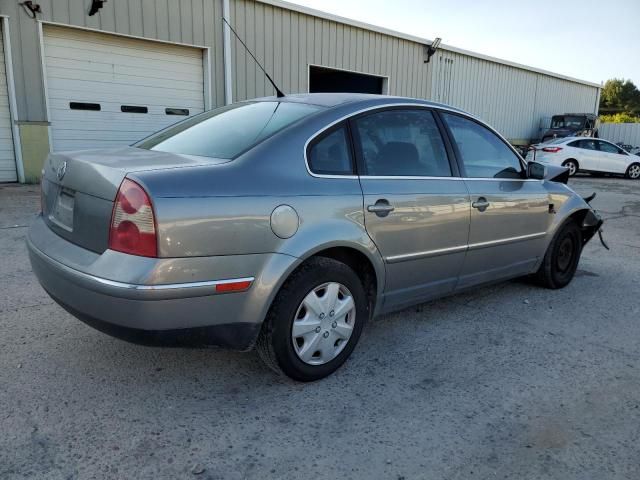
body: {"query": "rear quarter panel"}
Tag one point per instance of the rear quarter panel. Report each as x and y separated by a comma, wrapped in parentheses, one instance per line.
(226, 209)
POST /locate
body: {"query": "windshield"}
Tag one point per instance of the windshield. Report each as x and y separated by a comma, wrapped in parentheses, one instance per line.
(228, 131)
(562, 121)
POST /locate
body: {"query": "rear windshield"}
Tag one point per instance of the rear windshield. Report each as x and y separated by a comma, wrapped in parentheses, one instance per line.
(228, 131)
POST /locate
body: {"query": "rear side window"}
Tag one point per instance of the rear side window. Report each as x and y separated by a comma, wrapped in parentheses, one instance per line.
(584, 144)
(484, 154)
(331, 154)
(228, 131)
(402, 143)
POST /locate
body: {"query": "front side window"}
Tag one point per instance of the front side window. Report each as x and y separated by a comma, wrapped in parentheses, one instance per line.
(331, 154)
(228, 131)
(402, 143)
(608, 147)
(483, 153)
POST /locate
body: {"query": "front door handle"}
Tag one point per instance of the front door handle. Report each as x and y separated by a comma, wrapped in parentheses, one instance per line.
(481, 204)
(381, 208)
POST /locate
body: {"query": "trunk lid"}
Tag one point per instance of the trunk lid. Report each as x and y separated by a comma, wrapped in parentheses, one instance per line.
(79, 188)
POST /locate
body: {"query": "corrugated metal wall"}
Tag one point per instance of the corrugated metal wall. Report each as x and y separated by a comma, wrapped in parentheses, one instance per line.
(514, 100)
(287, 42)
(511, 99)
(628, 133)
(194, 22)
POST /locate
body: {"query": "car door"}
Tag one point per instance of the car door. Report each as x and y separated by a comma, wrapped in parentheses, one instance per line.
(586, 153)
(612, 158)
(510, 213)
(416, 207)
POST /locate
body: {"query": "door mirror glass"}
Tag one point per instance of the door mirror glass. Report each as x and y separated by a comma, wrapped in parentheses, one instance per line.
(536, 171)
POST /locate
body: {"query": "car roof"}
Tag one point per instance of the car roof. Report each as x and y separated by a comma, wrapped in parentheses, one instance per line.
(330, 100)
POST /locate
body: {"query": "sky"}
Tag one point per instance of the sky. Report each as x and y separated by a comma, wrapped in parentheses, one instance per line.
(590, 40)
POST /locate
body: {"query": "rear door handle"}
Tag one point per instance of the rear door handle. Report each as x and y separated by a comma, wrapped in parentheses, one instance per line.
(481, 204)
(381, 208)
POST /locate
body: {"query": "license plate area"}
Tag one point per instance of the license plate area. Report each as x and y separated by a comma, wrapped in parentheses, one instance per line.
(62, 212)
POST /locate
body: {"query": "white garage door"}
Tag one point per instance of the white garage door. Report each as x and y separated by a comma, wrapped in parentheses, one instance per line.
(7, 158)
(107, 91)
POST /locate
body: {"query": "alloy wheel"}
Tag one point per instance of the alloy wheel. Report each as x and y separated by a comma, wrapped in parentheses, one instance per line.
(323, 323)
(634, 171)
(572, 168)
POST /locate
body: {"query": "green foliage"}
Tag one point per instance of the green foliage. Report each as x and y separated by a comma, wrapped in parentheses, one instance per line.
(619, 118)
(620, 96)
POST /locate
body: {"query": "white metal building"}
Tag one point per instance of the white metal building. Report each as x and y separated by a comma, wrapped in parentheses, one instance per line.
(77, 81)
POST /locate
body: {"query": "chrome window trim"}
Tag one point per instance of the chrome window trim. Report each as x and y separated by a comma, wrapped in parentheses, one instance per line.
(415, 105)
(461, 248)
(405, 177)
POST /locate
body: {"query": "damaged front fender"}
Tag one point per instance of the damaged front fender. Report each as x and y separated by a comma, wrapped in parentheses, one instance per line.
(591, 224)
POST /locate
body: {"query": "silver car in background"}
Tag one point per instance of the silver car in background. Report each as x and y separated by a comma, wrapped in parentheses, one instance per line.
(286, 223)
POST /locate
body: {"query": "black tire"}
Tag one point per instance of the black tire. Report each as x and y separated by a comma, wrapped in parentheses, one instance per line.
(275, 344)
(632, 171)
(568, 163)
(561, 260)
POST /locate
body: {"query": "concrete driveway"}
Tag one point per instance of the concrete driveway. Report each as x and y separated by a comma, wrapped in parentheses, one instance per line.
(510, 381)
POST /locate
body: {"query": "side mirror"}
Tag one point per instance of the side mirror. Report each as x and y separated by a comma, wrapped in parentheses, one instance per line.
(536, 171)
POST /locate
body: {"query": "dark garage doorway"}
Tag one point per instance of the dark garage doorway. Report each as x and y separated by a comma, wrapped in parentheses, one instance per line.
(322, 79)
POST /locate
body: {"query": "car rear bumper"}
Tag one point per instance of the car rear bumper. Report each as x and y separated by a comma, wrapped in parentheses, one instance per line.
(150, 301)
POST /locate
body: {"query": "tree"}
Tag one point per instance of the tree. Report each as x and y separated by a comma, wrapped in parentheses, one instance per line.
(619, 118)
(620, 96)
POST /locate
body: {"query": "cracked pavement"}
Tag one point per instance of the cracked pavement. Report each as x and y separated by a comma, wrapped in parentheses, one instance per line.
(509, 381)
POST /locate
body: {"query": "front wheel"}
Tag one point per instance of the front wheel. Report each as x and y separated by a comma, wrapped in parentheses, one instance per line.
(561, 260)
(572, 165)
(315, 320)
(633, 172)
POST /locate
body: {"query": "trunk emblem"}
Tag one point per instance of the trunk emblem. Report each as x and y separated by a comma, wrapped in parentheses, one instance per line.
(62, 170)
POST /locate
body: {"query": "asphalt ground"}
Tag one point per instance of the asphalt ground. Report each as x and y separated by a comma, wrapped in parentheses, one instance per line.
(510, 381)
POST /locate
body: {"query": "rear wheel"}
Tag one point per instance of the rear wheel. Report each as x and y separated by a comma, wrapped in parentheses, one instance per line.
(315, 320)
(561, 260)
(633, 172)
(572, 165)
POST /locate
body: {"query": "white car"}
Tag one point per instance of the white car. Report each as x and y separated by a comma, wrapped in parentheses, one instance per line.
(584, 154)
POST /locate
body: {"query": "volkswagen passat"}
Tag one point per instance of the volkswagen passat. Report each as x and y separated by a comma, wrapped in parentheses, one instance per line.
(580, 154)
(286, 224)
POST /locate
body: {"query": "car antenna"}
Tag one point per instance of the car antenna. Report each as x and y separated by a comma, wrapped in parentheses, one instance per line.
(279, 93)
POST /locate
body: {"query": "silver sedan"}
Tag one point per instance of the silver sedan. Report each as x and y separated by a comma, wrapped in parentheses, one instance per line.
(287, 223)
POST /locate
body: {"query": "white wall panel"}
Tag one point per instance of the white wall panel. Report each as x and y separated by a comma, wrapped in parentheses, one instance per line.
(7, 157)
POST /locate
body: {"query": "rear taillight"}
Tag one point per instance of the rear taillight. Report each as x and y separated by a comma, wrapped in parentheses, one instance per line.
(551, 149)
(133, 226)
